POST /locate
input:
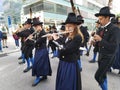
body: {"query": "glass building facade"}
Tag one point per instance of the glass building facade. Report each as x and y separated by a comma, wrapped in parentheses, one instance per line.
(55, 11)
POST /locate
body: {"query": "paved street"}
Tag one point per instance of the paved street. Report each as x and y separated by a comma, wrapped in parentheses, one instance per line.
(13, 78)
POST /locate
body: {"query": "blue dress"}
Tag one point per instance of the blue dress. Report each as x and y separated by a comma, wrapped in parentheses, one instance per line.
(68, 73)
(41, 66)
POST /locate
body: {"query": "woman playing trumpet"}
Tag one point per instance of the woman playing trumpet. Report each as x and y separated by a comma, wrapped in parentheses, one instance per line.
(68, 73)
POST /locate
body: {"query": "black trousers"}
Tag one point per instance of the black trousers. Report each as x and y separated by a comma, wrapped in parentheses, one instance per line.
(105, 61)
(27, 51)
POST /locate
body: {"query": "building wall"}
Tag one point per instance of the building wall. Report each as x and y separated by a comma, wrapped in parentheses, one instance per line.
(2, 18)
(57, 10)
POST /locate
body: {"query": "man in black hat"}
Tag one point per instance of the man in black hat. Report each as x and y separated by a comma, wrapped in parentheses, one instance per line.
(84, 31)
(28, 44)
(108, 43)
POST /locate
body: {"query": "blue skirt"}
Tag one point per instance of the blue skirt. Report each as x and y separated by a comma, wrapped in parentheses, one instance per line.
(68, 76)
(41, 66)
(116, 64)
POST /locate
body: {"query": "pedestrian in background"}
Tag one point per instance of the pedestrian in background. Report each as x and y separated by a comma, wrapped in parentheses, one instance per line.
(1, 35)
(16, 38)
(4, 38)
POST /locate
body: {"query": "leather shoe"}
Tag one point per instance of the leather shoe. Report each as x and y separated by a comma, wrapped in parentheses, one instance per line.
(92, 61)
(22, 62)
(119, 72)
(37, 80)
(87, 54)
(20, 58)
(27, 69)
(43, 78)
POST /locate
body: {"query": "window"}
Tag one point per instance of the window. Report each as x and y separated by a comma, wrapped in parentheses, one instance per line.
(49, 7)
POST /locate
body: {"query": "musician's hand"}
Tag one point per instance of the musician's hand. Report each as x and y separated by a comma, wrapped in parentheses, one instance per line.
(92, 34)
(55, 36)
(30, 37)
(97, 37)
(50, 37)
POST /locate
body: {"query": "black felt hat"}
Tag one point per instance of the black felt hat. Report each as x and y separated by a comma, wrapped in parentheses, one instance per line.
(80, 19)
(53, 27)
(62, 28)
(105, 11)
(36, 22)
(97, 22)
(115, 20)
(71, 19)
(29, 21)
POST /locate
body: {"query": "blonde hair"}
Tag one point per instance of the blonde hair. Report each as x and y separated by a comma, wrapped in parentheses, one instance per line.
(77, 31)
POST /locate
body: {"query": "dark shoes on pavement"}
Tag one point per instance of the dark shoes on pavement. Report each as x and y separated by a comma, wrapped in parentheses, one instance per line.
(92, 61)
(37, 80)
(27, 69)
(119, 72)
(87, 54)
(22, 62)
(43, 78)
(20, 58)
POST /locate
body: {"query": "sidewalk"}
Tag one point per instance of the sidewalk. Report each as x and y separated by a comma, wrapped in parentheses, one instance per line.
(11, 46)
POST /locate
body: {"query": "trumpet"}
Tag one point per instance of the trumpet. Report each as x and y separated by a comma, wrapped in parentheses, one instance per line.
(59, 33)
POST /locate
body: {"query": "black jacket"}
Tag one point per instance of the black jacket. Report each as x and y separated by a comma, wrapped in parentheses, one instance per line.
(25, 34)
(70, 51)
(110, 40)
(40, 42)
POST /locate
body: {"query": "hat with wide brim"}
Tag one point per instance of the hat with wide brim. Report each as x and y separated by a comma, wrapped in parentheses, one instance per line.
(97, 22)
(62, 28)
(71, 19)
(29, 21)
(115, 20)
(36, 22)
(105, 11)
(80, 19)
(53, 27)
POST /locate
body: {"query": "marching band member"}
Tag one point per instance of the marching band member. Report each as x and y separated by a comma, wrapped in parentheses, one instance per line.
(41, 66)
(85, 33)
(95, 44)
(28, 44)
(108, 44)
(116, 64)
(68, 73)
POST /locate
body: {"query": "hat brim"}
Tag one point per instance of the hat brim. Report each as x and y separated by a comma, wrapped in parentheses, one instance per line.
(38, 24)
(70, 23)
(100, 14)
